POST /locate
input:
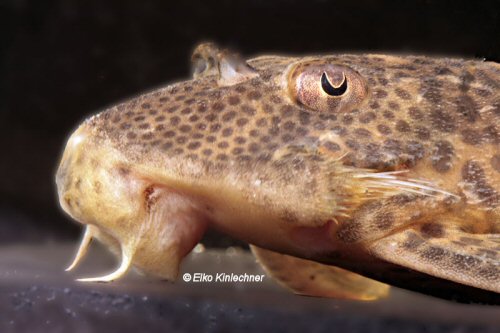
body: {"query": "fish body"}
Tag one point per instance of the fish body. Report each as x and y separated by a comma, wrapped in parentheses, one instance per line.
(384, 165)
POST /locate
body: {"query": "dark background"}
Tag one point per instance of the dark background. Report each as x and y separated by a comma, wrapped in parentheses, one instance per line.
(61, 61)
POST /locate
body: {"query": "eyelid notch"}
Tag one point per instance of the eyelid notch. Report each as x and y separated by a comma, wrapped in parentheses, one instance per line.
(331, 89)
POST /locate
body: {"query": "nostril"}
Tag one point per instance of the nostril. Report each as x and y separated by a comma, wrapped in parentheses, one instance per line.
(62, 176)
(68, 201)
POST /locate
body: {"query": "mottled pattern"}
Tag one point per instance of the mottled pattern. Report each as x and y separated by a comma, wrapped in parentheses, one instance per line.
(406, 120)
(299, 155)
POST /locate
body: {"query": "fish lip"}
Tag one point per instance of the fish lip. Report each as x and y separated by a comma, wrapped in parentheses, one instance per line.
(64, 175)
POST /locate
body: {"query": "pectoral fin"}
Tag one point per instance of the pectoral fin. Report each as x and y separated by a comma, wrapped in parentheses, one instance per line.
(310, 278)
(442, 247)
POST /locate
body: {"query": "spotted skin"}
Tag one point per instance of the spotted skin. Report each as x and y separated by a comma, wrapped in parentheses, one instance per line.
(402, 167)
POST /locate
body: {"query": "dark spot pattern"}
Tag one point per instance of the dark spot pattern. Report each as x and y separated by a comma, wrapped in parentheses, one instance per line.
(403, 94)
(465, 80)
(415, 151)
(367, 117)
(467, 108)
(402, 126)
(233, 100)
(362, 132)
(433, 253)
(431, 90)
(380, 94)
(473, 174)
(443, 121)
(442, 71)
(384, 129)
(471, 137)
(393, 147)
(464, 262)
(350, 231)
(254, 95)
(415, 113)
(432, 230)
(393, 105)
(441, 156)
(218, 106)
(388, 115)
(384, 220)
(331, 146)
(410, 111)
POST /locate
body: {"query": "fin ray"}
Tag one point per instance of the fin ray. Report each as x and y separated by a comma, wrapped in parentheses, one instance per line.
(440, 248)
(314, 279)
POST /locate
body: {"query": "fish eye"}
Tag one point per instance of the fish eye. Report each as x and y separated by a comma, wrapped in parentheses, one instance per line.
(321, 86)
(332, 90)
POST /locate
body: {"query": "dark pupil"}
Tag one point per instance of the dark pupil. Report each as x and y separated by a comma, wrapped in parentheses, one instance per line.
(331, 90)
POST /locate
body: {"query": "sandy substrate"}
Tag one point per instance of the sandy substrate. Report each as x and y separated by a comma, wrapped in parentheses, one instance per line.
(36, 295)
